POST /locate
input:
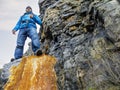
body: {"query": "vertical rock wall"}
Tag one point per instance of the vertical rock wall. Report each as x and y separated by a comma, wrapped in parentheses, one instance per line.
(84, 37)
(85, 42)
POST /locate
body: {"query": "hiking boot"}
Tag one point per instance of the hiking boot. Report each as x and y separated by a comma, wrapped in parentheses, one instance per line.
(12, 59)
(38, 52)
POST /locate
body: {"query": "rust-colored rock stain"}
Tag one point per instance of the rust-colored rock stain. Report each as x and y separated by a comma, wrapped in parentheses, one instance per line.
(33, 73)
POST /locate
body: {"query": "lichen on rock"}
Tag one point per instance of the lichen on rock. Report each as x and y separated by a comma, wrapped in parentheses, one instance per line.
(33, 73)
(85, 42)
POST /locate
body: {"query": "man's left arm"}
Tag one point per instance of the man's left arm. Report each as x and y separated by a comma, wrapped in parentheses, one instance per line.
(37, 20)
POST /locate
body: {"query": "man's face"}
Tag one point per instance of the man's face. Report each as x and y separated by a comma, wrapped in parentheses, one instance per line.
(28, 9)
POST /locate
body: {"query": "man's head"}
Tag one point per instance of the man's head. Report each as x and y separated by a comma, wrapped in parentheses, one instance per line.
(28, 9)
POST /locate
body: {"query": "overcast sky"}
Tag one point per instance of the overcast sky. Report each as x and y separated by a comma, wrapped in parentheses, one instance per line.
(10, 12)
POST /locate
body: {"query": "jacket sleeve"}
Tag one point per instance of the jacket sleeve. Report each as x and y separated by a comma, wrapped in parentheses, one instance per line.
(37, 20)
(17, 27)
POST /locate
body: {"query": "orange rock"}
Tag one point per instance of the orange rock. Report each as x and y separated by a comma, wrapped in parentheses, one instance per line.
(33, 73)
(73, 28)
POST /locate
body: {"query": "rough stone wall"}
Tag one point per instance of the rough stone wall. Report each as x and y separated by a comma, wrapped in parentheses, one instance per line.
(43, 5)
(86, 43)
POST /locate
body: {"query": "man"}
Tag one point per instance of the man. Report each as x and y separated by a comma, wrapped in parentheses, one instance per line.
(27, 28)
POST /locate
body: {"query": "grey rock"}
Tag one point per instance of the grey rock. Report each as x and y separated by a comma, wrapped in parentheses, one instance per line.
(86, 42)
(6, 69)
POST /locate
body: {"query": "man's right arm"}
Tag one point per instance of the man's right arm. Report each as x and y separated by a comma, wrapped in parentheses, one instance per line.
(17, 27)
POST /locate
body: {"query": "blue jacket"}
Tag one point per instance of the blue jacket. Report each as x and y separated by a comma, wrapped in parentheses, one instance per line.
(26, 22)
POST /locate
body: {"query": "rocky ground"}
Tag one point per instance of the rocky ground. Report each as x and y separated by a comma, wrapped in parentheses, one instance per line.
(84, 37)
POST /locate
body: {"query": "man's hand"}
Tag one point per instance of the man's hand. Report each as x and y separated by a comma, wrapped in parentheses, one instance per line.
(31, 15)
(13, 32)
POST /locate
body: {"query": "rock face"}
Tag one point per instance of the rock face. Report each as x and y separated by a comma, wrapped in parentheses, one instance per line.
(85, 42)
(1, 82)
(6, 72)
(33, 73)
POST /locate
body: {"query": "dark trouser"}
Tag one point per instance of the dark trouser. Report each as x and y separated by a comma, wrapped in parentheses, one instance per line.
(22, 36)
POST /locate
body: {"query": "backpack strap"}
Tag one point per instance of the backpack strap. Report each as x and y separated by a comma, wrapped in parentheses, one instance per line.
(26, 21)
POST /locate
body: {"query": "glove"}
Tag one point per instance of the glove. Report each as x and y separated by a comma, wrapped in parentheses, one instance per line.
(31, 15)
(13, 32)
